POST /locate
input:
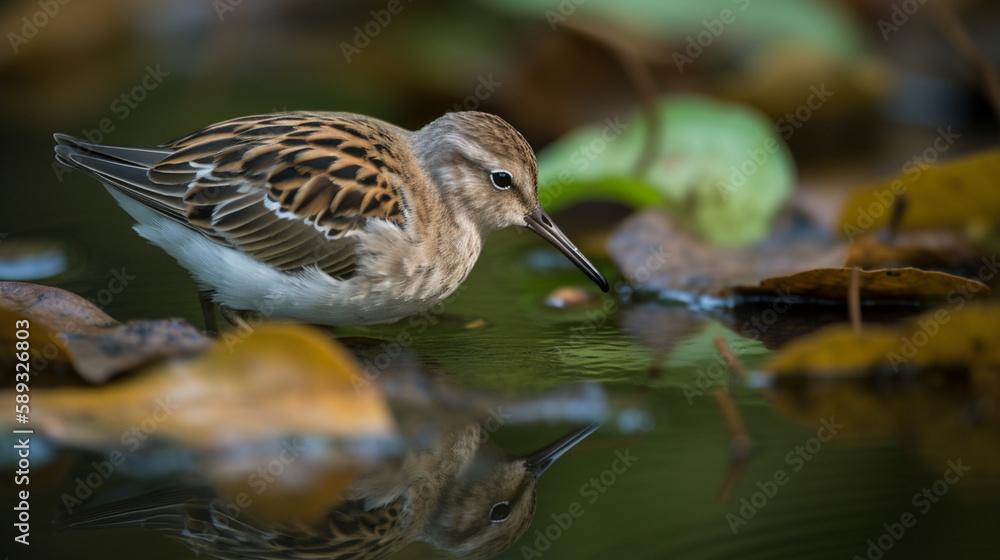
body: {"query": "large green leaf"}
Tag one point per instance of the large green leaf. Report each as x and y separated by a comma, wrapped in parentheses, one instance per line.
(721, 167)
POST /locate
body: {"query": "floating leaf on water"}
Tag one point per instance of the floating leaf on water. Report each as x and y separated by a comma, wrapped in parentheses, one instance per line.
(959, 337)
(65, 328)
(475, 324)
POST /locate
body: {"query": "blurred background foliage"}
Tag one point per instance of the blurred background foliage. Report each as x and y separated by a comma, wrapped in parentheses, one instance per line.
(558, 70)
(550, 61)
(548, 67)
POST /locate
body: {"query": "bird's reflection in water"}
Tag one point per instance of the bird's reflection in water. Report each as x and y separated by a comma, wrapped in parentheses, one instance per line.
(463, 494)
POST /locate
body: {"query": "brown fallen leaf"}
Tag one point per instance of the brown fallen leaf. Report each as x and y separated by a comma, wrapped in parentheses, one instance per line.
(899, 284)
(279, 381)
(939, 250)
(58, 309)
(67, 329)
(657, 256)
(960, 195)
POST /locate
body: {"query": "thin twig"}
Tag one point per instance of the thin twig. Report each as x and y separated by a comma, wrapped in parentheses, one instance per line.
(739, 436)
(952, 28)
(732, 361)
(739, 441)
(888, 234)
(733, 476)
(638, 76)
(854, 300)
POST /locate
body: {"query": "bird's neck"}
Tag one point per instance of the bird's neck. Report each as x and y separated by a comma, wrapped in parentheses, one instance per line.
(439, 469)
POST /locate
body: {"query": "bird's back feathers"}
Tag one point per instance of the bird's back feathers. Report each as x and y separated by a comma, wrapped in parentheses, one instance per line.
(289, 190)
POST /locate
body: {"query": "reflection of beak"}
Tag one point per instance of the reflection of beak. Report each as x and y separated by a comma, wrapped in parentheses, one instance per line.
(540, 222)
(542, 459)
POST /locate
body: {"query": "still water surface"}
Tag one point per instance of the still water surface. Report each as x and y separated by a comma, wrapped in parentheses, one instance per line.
(809, 489)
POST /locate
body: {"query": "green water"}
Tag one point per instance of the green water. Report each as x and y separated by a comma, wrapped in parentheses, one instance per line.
(647, 357)
(663, 505)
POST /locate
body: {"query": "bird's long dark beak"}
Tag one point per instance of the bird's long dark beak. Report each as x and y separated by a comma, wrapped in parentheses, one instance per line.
(540, 222)
(542, 459)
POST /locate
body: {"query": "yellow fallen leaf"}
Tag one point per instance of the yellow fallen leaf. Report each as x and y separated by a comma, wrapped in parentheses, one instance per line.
(962, 337)
(943, 412)
(960, 195)
(279, 381)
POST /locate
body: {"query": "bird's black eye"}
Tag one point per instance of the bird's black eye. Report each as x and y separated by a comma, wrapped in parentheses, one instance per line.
(499, 513)
(501, 179)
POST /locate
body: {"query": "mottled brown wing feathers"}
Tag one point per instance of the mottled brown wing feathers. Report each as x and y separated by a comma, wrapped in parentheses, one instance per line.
(355, 532)
(326, 172)
(287, 189)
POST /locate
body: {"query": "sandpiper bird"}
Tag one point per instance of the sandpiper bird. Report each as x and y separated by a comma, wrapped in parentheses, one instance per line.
(463, 496)
(328, 218)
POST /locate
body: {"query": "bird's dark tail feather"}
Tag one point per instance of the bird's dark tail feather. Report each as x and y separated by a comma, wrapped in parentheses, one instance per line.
(67, 147)
(126, 169)
(189, 514)
(134, 506)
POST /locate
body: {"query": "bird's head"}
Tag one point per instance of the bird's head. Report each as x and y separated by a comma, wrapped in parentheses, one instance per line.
(491, 503)
(487, 174)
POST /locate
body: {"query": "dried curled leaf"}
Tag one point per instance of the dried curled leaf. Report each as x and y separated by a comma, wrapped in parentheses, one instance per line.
(65, 328)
